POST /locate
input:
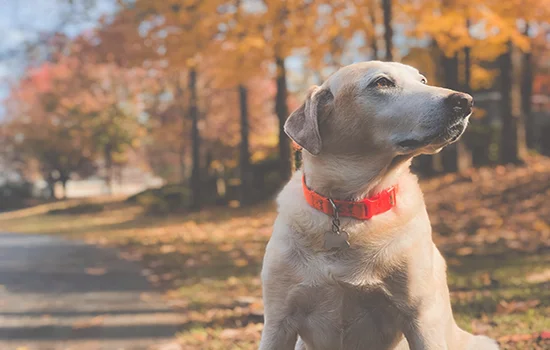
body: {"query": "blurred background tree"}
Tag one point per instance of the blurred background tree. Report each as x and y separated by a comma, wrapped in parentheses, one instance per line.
(197, 92)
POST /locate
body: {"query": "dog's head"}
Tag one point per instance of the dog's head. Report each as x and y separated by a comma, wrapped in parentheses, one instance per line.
(381, 107)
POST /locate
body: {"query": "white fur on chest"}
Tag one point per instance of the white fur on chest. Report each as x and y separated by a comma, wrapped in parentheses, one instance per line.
(337, 298)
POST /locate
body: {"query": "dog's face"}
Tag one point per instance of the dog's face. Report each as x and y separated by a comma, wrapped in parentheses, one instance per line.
(381, 107)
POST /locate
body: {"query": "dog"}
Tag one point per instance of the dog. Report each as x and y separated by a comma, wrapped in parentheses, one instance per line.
(351, 263)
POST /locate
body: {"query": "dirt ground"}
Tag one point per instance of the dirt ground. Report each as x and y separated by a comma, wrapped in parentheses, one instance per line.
(58, 294)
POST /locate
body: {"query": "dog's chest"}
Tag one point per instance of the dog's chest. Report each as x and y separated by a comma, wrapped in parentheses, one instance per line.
(338, 317)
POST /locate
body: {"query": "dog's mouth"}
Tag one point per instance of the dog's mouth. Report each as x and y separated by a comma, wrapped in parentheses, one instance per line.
(412, 143)
(452, 133)
(440, 139)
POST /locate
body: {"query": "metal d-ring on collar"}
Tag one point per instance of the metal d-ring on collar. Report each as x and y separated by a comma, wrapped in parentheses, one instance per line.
(336, 238)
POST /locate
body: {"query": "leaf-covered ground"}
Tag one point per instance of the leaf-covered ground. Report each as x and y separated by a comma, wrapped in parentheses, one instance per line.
(493, 226)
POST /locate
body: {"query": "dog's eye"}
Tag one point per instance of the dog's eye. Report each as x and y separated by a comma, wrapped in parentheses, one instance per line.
(424, 81)
(383, 83)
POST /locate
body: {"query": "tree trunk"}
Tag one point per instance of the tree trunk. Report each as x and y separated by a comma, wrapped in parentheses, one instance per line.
(526, 95)
(450, 66)
(195, 140)
(467, 63)
(373, 41)
(281, 110)
(510, 113)
(455, 157)
(464, 154)
(179, 102)
(517, 72)
(449, 154)
(424, 165)
(388, 30)
(50, 181)
(64, 181)
(181, 157)
(108, 155)
(244, 147)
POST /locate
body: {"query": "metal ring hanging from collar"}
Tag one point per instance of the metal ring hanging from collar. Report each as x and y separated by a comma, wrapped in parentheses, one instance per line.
(335, 217)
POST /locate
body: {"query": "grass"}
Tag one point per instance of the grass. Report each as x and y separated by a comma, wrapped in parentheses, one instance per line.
(209, 262)
(501, 295)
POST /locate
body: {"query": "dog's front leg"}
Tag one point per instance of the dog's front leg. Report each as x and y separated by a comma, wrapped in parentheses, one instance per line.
(427, 323)
(278, 334)
(426, 337)
(280, 329)
(430, 324)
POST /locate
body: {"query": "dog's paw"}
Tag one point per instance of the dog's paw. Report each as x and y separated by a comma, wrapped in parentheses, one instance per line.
(481, 342)
(300, 345)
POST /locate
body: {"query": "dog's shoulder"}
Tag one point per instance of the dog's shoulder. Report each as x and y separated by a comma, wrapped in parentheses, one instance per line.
(289, 258)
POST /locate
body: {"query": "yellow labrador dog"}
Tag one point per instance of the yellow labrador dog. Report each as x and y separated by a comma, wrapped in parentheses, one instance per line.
(351, 263)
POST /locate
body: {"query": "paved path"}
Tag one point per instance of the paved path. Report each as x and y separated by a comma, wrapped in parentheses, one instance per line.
(60, 295)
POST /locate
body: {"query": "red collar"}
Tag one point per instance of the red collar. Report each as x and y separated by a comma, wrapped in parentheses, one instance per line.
(362, 210)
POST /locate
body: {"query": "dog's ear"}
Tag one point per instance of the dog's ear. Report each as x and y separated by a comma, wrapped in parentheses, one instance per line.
(302, 126)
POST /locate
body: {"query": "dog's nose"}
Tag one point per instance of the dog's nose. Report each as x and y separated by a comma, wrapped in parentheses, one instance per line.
(460, 103)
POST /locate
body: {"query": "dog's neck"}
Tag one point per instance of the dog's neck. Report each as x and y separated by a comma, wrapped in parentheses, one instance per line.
(351, 178)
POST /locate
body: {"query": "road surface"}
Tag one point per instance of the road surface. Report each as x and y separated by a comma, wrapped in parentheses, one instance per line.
(57, 294)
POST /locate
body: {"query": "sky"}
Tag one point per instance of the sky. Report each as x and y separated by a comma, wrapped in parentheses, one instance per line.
(24, 21)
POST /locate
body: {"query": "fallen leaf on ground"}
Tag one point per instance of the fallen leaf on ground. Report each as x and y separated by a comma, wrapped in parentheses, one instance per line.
(96, 271)
(131, 256)
(145, 296)
(538, 277)
(94, 322)
(167, 248)
(230, 333)
(545, 335)
(170, 346)
(505, 307)
(464, 251)
(514, 338)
